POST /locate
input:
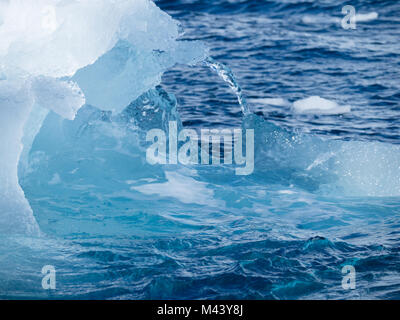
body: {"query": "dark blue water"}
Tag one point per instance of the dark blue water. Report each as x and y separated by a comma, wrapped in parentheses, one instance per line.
(325, 192)
(292, 50)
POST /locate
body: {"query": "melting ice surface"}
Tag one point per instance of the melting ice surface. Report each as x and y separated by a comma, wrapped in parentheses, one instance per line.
(75, 108)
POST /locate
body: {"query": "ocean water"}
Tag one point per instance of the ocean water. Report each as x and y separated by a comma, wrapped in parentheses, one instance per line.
(325, 192)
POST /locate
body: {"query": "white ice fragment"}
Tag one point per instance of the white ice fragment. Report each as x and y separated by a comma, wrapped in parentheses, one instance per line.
(318, 105)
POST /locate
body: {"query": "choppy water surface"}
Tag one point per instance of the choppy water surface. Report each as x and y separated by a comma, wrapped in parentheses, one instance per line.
(325, 192)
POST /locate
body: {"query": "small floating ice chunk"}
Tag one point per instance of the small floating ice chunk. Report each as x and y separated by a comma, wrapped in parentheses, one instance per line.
(318, 105)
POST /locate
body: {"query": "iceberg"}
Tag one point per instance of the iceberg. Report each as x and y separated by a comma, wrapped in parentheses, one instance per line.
(58, 55)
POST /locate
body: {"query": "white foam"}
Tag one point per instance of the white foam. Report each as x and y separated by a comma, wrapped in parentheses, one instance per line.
(318, 105)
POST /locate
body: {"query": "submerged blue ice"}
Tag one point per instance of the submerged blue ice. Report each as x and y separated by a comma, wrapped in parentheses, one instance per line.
(118, 227)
